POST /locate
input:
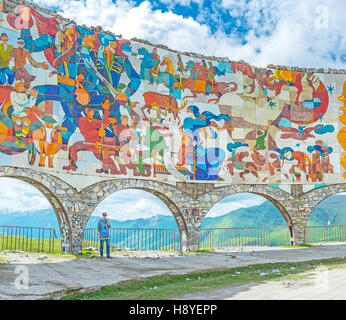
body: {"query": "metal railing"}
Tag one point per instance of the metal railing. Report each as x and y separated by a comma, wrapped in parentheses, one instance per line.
(280, 237)
(31, 239)
(136, 239)
(35, 239)
(325, 234)
(234, 237)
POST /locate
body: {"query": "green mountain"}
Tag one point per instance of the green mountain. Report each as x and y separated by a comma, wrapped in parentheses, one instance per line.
(263, 215)
(155, 222)
(41, 218)
(332, 209)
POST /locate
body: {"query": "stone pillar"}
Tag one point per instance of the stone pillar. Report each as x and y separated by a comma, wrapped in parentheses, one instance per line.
(193, 243)
(192, 210)
(299, 209)
(76, 243)
(299, 218)
(65, 244)
(65, 240)
(78, 208)
(193, 240)
(296, 190)
(298, 214)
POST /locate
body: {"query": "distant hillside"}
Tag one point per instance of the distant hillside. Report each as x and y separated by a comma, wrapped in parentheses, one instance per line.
(42, 218)
(263, 215)
(156, 222)
(333, 209)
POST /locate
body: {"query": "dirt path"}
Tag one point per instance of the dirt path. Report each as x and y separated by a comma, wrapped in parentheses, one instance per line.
(51, 274)
(321, 285)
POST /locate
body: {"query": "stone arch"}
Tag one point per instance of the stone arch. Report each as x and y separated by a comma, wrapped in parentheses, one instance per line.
(275, 195)
(314, 197)
(165, 192)
(44, 183)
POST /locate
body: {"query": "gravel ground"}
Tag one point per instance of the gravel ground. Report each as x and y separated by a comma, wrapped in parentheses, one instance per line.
(51, 274)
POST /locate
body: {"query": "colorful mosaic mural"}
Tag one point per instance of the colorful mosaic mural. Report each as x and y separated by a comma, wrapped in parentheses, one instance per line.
(78, 101)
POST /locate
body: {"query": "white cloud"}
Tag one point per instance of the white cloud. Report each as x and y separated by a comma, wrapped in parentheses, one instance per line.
(18, 196)
(131, 204)
(234, 202)
(282, 32)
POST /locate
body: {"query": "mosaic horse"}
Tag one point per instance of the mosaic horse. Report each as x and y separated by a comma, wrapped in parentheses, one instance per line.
(152, 73)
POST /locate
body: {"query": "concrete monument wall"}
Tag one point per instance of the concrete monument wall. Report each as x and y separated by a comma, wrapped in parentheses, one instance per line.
(85, 105)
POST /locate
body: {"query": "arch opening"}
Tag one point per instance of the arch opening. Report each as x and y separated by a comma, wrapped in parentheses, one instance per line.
(140, 219)
(32, 218)
(327, 221)
(246, 219)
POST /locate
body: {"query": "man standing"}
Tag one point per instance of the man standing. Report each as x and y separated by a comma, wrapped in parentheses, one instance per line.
(103, 234)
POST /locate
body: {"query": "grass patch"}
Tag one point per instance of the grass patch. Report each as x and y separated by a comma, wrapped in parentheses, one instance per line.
(86, 254)
(279, 237)
(165, 286)
(91, 254)
(62, 255)
(305, 245)
(202, 250)
(27, 244)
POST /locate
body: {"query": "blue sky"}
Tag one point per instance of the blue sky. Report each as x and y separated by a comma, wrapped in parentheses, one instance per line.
(304, 33)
